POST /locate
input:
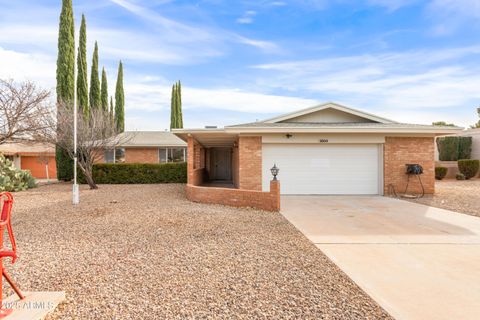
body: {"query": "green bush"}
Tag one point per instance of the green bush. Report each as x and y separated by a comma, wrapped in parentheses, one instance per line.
(454, 148)
(469, 168)
(440, 172)
(460, 176)
(13, 179)
(64, 164)
(141, 173)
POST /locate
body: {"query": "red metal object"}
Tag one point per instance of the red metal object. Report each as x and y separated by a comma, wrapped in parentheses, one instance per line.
(6, 204)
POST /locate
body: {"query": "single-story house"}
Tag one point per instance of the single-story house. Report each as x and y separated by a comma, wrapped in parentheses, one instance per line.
(328, 149)
(36, 157)
(145, 147)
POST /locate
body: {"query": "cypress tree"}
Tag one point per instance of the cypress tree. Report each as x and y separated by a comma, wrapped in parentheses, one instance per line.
(179, 105)
(65, 80)
(82, 78)
(95, 101)
(173, 103)
(111, 111)
(120, 101)
(104, 91)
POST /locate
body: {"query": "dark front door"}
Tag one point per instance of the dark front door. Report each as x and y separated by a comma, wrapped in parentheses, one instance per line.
(222, 164)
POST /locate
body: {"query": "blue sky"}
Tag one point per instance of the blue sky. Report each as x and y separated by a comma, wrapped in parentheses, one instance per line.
(412, 61)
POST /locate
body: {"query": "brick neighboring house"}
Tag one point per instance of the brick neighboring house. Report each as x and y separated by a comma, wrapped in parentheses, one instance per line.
(145, 147)
(38, 158)
(326, 149)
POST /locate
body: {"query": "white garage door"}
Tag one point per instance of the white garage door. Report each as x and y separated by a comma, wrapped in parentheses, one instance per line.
(323, 169)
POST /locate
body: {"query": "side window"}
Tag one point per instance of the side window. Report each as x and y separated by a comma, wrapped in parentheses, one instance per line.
(162, 155)
(109, 156)
(177, 155)
(120, 155)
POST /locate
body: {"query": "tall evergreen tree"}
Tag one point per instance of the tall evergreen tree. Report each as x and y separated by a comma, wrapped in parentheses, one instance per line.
(176, 120)
(111, 110)
(95, 101)
(82, 73)
(179, 105)
(65, 80)
(104, 91)
(173, 104)
(120, 101)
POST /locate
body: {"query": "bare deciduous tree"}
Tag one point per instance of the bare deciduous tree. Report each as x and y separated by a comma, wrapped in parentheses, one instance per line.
(26, 112)
(95, 134)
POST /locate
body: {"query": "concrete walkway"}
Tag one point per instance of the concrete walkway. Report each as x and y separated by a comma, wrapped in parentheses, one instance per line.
(416, 261)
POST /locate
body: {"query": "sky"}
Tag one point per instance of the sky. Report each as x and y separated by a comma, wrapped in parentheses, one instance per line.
(241, 61)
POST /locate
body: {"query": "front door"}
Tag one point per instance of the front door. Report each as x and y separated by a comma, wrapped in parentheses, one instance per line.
(222, 164)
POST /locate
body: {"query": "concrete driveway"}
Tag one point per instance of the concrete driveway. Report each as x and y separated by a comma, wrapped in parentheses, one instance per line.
(416, 261)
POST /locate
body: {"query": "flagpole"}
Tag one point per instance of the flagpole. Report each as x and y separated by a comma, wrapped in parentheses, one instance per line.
(76, 192)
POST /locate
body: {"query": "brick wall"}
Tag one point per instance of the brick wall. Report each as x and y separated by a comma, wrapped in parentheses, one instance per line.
(250, 163)
(269, 201)
(141, 155)
(195, 163)
(399, 151)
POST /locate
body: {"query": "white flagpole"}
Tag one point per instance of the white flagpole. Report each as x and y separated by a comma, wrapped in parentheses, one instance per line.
(76, 192)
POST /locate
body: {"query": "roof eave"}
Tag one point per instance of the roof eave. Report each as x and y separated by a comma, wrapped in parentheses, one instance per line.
(436, 131)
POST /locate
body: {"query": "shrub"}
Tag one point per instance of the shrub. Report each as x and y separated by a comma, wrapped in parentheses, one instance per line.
(64, 164)
(469, 168)
(141, 173)
(440, 172)
(460, 176)
(454, 148)
(13, 179)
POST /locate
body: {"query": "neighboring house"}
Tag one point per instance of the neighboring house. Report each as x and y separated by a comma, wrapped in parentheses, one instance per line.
(146, 147)
(38, 158)
(327, 149)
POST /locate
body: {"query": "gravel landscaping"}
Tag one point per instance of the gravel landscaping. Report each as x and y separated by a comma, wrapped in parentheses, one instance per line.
(459, 196)
(144, 252)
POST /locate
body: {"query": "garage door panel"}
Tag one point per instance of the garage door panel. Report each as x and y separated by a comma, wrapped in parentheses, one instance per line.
(323, 169)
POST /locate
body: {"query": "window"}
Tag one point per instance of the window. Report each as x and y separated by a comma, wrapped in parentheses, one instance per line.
(172, 154)
(176, 155)
(115, 156)
(163, 155)
(109, 156)
(120, 155)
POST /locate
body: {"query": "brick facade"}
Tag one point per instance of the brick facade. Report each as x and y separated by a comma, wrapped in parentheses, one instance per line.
(269, 201)
(247, 170)
(399, 151)
(195, 165)
(250, 163)
(142, 155)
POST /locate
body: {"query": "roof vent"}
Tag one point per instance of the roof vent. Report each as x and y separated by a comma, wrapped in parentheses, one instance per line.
(210, 127)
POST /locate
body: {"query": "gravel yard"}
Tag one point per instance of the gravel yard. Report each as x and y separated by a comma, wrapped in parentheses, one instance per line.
(144, 252)
(460, 196)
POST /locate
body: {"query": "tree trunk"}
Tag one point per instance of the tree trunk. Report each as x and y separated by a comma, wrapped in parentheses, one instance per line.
(91, 183)
(88, 176)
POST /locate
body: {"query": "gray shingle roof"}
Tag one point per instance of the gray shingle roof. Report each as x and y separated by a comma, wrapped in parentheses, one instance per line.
(151, 139)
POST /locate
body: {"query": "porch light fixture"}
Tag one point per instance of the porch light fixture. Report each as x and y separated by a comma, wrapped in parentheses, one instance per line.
(274, 171)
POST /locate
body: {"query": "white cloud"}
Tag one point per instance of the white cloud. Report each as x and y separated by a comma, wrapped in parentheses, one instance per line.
(190, 33)
(28, 66)
(414, 80)
(449, 15)
(154, 97)
(391, 5)
(247, 17)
